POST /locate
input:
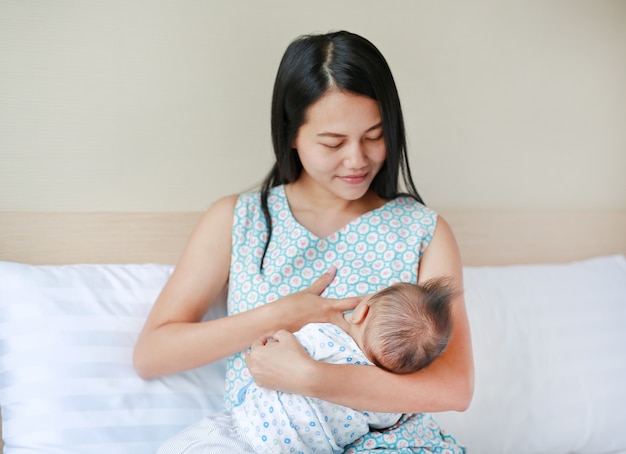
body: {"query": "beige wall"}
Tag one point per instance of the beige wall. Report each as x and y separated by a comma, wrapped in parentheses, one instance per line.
(164, 105)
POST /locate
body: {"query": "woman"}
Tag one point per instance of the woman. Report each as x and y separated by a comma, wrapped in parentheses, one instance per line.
(333, 197)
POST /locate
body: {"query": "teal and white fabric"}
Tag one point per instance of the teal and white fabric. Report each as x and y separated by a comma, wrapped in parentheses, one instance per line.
(375, 250)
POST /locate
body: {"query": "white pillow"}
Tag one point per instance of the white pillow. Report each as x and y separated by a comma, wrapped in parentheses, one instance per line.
(67, 384)
(548, 345)
(550, 353)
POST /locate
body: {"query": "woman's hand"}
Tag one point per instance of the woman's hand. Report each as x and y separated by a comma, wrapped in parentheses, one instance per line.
(279, 362)
(307, 306)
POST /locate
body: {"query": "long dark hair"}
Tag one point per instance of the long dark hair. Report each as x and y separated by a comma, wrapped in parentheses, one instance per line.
(313, 64)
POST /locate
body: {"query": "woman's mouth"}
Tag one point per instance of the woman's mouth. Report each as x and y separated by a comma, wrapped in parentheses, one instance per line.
(354, 179)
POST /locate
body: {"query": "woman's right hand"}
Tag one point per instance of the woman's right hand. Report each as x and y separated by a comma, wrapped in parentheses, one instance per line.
(174, 338)
(307, 306)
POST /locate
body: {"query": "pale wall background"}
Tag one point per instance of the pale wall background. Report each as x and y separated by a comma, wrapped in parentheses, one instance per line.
(137, 105)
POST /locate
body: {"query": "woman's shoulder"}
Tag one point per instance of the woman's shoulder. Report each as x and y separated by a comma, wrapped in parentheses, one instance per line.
(247, 198)
(223, 205)
(220, 212)
(246, 208)
(405, 204)
(252, 200)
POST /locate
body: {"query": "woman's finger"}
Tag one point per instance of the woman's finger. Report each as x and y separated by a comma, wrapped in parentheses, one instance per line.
(341, 307)
(323, 281)
(281, 335)
(260, 342)
(280, 364)
(345, 304)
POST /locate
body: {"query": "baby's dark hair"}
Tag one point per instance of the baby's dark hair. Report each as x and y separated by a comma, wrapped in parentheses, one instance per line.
(410, 325)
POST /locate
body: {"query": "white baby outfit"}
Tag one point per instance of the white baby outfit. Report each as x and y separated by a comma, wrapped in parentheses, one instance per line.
(275, 422)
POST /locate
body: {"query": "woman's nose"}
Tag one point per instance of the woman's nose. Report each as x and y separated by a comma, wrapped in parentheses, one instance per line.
(355, 157)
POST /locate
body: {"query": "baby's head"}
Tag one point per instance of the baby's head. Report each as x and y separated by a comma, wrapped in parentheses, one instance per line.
(408, 325)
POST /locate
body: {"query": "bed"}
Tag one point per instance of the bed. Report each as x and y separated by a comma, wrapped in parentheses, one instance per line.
(546, 295)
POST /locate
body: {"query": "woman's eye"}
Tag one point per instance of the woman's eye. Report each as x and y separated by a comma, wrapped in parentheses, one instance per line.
(332, 145)
(373, 139)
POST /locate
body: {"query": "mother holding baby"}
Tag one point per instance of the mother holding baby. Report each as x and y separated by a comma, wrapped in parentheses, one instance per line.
(339, 196)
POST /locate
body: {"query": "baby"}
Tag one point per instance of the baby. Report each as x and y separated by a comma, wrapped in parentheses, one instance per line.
(401, 329)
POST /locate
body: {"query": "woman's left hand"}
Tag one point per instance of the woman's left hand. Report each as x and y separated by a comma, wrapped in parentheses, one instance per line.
(280, 363)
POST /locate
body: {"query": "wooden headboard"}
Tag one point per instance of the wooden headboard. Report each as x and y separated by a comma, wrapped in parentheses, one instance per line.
(485, 238)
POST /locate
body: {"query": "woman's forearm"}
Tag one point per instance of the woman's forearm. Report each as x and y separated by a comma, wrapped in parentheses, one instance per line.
(179, 346)
(447, 384)
(176, 346)
(369, 388)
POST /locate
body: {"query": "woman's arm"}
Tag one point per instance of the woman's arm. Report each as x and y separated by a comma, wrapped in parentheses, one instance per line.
(447, 384)
(173, 339)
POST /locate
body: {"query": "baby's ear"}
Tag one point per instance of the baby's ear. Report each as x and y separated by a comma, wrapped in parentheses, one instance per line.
(359, 313)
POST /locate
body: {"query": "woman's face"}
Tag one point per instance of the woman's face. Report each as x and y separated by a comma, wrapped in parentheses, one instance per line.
(341, 144)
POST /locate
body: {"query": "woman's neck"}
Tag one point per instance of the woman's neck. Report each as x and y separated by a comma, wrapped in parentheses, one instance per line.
(324, 213)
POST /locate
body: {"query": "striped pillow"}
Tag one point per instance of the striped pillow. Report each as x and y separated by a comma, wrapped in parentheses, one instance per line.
(67, 383)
